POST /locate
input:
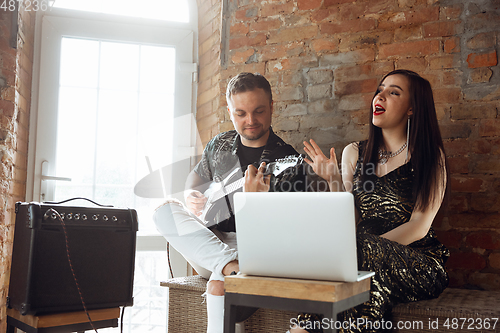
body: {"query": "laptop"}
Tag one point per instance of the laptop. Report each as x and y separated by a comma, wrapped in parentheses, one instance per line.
(304, 235)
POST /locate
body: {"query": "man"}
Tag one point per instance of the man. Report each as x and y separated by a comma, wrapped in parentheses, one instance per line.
(248, 148)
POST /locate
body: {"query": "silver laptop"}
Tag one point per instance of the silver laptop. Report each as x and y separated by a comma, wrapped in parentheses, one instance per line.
(297, 235)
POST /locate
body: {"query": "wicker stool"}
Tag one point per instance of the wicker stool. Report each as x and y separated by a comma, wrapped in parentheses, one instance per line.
(187, 311)
(455, 310)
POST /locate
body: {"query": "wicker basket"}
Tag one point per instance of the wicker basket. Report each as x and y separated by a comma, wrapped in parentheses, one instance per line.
(456, 310)
(187, 311)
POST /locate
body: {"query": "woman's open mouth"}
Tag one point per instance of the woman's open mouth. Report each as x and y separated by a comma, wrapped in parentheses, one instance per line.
(378, 110)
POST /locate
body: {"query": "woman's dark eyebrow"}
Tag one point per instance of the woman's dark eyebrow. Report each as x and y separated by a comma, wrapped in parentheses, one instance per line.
(393, 86)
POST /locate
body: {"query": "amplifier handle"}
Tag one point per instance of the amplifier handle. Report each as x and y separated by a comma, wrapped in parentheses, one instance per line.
(77, 198)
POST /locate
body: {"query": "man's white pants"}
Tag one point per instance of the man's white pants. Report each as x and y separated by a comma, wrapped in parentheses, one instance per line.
(206, 250)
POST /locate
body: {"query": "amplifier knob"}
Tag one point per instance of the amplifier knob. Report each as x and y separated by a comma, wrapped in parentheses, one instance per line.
(53, 216)
(77, 216)
(114, 218)
(84, 217)
(95, 217)
(62, 216)
(69, 216)
(105, 217)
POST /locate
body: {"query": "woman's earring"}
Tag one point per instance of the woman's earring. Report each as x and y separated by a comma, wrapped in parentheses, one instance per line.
(407, 139)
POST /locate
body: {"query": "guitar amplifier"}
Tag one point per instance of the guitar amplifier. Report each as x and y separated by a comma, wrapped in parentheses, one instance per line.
(101, 242)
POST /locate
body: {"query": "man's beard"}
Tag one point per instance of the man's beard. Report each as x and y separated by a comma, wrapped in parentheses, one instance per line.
(255, 136)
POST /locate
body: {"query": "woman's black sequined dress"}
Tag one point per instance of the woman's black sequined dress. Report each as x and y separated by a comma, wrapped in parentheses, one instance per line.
(403, 273)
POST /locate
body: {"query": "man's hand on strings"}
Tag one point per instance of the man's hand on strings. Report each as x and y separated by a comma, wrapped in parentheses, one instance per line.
(255, 180)
(195, 201)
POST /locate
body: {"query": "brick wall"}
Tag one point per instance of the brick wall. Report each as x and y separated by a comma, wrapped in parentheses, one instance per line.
(324, 59)
(15, 98)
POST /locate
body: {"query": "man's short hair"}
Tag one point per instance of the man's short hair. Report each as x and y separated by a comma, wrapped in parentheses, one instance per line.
(248, 82)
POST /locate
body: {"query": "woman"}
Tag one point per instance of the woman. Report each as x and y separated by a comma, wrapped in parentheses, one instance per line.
(398, 178)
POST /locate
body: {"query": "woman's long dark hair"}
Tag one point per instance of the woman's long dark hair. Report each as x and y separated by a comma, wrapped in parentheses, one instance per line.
(425, 144)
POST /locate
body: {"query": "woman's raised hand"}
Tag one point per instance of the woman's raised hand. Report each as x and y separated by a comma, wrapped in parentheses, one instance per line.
(326, 168)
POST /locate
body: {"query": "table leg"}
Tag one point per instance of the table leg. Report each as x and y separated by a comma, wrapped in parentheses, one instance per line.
(11, 329)
(229, 314)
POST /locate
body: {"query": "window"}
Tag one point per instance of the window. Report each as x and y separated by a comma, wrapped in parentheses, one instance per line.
(113, 101)
(167, 10)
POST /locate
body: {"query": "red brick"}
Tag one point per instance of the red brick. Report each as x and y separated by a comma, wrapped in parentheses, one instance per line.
(408, 33)
(484, 240)
(476, 219)
(319, 45)
(329, 3)
(7, 108)
(236, 43)
(329, 14)
(272, 52)
(308, 4)
(410, 48)
(483, 21)
(482, 60)
(466, 184)
(480, 75)
(477, 111)
(448, 95)
(241, 57)
(488, 202)
(246, 14)
(348, 26)
(415, 64)
(355, 102)
(355, 87)
(278, 65)
(277, 8)
(383, 67)
(486, 146)
(350, 73)
(442, 29)
(365, 39)
(452, 45)
(466, 260)
(399, 19)
(451, 13)
(444, 62)
(358, 9)
(494, 260)
(450, 239)
(487, 164)
(8, 61)
(458, 165)
(239, 29)
(459, 202)
(489, 127)
(452, 78)
(484, 40)
(293, 34)
(265, 25)
(8, 94)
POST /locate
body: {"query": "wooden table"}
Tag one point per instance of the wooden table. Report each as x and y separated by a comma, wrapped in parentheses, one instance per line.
(62, 322)
(310, 296)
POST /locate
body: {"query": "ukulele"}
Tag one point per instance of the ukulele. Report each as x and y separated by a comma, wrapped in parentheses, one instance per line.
(216, 205)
